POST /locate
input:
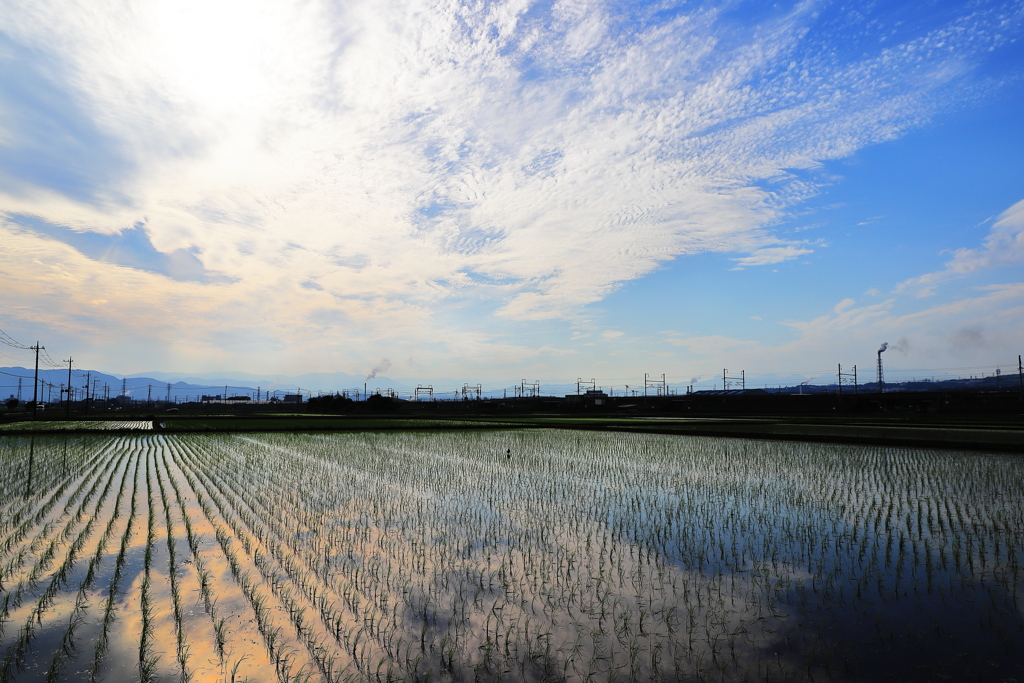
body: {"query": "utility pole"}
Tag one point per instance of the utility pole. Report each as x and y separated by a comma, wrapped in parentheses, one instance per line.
(88, 382)
(67, 413)
(1020, 374)
(149, 396)
(35, 382)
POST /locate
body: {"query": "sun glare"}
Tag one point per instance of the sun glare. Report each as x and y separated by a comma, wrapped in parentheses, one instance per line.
(217, 52)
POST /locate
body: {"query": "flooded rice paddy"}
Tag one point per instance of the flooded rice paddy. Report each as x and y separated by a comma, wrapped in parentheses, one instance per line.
(505, 556)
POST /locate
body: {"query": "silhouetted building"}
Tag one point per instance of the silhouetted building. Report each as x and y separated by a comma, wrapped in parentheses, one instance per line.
(594, 396)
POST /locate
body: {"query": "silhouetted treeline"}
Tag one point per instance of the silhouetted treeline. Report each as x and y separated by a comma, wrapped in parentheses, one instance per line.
(331, 403)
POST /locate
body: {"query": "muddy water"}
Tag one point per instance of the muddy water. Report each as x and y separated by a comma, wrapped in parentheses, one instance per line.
(585, 556)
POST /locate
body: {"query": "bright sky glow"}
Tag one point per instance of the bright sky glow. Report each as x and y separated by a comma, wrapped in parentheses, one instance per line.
(496, 190)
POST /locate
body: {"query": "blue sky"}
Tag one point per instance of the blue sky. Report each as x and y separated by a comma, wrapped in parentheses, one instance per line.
(500, 190)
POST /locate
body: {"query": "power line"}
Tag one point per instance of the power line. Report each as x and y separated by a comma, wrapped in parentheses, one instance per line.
(18, 376)
(49, 361)
(11, 341)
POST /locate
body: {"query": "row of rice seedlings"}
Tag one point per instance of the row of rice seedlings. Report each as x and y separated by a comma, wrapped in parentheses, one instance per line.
(45, 517)
(14, 657)
(30, 467)
(204, 575)
(232, 648)
(31, 517)
(289, 566)
(148, 657)
(43, 472)
(26, 579)
(113, 591)
(302, 570)
(341, 610)
(314, 636)
(68, 649)
(181, 647)
(284, 656)
(205, 589)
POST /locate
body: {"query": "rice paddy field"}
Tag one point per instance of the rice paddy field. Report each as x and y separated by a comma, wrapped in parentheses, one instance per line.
(77, 425)
(529, 555)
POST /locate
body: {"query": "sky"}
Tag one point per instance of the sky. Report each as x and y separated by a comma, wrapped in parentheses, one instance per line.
(492, 191)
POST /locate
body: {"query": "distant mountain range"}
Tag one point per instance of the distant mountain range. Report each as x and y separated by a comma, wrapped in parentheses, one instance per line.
(183, 386)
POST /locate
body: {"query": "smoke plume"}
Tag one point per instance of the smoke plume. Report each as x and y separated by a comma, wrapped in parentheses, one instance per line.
(381, 367)
(883, 347)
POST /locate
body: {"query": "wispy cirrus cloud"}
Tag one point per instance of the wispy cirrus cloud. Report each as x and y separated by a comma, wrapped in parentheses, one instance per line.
(394, 155)
(767, 256)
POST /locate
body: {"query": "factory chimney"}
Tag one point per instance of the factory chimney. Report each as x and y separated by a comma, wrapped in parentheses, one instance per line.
(881, 379)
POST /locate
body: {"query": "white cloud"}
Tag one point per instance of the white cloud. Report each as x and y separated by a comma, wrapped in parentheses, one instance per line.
(768, 256)
(843, 305)
(1002, 247)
